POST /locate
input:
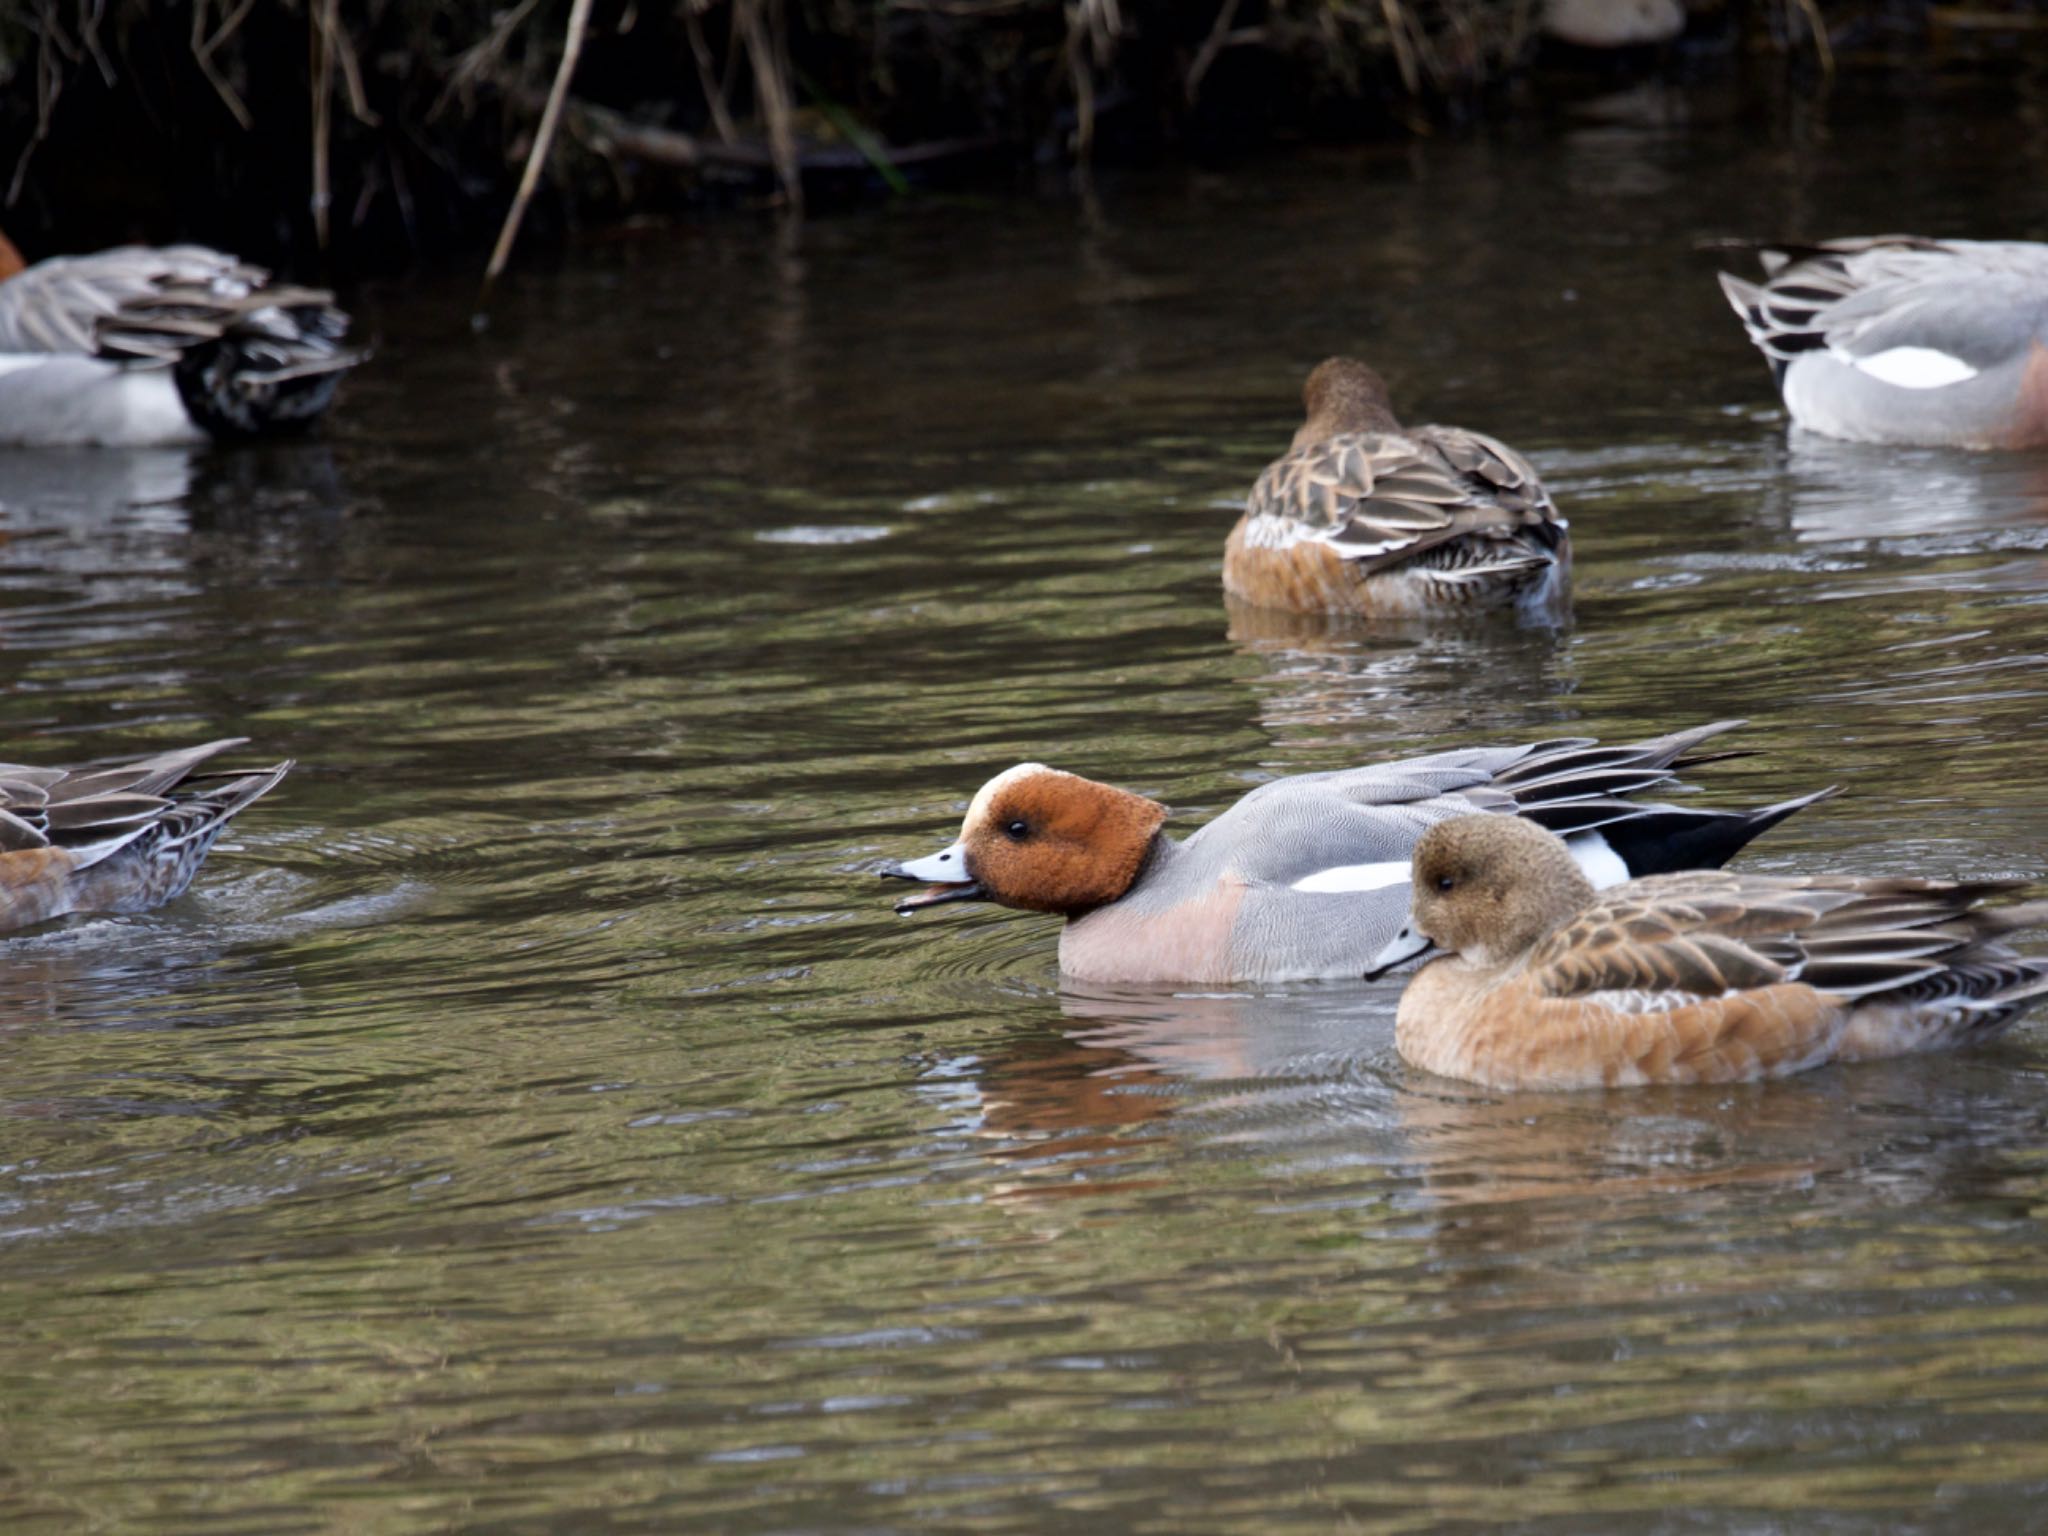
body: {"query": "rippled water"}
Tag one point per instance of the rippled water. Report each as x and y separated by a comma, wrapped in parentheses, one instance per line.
(534, 1120)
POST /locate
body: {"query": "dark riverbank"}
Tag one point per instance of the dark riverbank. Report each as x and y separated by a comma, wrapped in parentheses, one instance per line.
(360, 138)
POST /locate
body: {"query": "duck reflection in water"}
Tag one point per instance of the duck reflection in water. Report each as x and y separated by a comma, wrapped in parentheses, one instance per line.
(1307, 1077)
(1336, 679)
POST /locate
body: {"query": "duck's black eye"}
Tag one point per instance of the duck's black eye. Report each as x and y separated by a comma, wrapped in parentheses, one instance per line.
(1445, 882)
(1017, 831)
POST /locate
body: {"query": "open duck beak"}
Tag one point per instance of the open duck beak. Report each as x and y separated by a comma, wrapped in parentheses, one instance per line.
(949, 880)
(1399, 950)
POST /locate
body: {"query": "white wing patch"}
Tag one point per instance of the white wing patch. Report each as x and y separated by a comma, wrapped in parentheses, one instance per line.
(1602, 865)
(1637, 1000)
(1351, 549)
(1354, 877)
(1274, 533)
(1911, 367)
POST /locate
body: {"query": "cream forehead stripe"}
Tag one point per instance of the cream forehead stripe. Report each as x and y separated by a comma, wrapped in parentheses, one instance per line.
(985, 796)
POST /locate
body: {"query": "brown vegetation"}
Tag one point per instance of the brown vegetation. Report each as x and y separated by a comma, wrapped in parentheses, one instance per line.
(398, 123)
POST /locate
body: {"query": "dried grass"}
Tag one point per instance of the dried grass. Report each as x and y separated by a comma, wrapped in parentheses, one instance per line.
(477, 93)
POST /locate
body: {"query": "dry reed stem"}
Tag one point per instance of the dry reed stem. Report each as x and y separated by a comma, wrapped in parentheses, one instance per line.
(572, 46)
(342, 52)
(1083, 80)
(771, 90)
(1404, 52)
(479, 60)
(707, 78)
(204, 45)
(320, 87)
(49, 84)
(1212, 45)
(1818, 28)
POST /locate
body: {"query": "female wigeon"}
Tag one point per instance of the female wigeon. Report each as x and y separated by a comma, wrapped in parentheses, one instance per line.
(1699, 977)
(1365, 516)
(120, 838)
(1306, 876)
(1896, 339)
(140, 346)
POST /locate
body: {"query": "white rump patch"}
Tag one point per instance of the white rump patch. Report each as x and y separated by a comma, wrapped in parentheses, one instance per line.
(1912, 367)
(1602, 865)
(1354, 877)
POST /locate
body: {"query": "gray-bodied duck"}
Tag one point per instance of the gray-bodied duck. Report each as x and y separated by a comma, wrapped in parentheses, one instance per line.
(1898, 339)
(1306, 876)
(147, 345)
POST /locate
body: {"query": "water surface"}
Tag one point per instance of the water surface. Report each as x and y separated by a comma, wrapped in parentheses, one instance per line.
(534, 1120)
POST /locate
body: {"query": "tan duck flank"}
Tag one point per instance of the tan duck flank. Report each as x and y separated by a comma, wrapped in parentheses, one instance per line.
(1703, 976)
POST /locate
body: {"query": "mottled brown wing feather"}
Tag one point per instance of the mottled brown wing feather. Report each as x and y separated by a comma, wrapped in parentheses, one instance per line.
(1704, 933)
(1379, 498)
(1708, 933)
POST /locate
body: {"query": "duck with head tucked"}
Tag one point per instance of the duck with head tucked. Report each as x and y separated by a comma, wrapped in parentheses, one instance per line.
(1306, 876)
(147, 345)
(1704, 976)
(1365, 516)
(1898, 339)
(115, 837)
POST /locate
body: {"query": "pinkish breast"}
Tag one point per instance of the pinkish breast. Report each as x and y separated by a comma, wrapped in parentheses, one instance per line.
(1187, 942)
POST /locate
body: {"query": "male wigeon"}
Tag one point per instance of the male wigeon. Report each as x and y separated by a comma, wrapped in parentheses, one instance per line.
(1699, 977)
(118, 838)
(140, 346)
(1896, 339)
(1306, 876)
(1365, 516)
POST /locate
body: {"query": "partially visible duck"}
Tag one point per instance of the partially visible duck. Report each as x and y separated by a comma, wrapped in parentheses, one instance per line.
(1365, 516)
(140, 346)
(1612, 23)
(1699, 977)
(1897, 339)
(1306, 876)
(123, 837)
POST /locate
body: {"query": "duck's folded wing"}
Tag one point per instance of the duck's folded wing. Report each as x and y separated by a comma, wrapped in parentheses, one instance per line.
(1335, 831)
(65, 304)
(1923, 323)
(1715, 977)
(1671, 940)
(1908, 310)
(1685, 978)
(1380, 498)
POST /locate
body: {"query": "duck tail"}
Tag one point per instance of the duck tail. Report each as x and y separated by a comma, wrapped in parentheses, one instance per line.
(149, 865)
(273, 368)
(263, 360)
(1664, 838)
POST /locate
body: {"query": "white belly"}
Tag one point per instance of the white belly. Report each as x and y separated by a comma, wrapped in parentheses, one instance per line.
(80, 402)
